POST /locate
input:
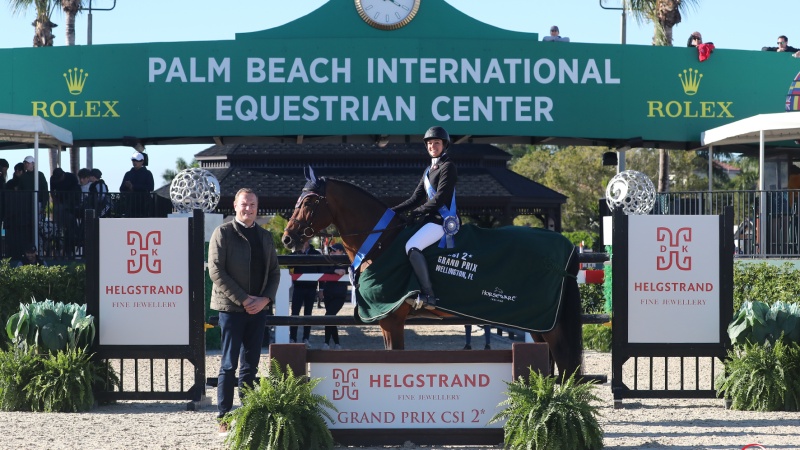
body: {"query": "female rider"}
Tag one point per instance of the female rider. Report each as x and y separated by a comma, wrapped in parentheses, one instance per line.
(433, 201)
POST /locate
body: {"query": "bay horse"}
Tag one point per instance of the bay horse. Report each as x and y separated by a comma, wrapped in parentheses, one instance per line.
(355, 212)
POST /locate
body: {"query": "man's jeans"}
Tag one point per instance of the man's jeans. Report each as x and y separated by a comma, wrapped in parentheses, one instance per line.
(242, 336)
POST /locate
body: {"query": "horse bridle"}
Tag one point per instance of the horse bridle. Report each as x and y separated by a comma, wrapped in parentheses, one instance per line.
(308, 230)
(307, 225)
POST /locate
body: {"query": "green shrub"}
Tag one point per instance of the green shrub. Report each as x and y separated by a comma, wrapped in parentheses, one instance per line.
(20, 284)
(592, 299)
(64, 383)
(49, 326)
(758, 323)
(762, 377)
(597, 337)
(17, 367)
(544, 415)
(587, 237)
(764, 282)
(281, 413)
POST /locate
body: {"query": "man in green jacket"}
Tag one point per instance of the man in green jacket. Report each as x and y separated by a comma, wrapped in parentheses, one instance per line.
(243, 266)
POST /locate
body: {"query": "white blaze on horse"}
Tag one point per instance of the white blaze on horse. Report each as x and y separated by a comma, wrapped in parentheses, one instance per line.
(368, 229)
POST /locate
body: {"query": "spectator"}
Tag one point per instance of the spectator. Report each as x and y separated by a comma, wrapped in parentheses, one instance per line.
(487, 336)
(26, 182)
(99, 199)
(13, 221)
(84, 203)
(243, 267)
(137, 184)
(694, 39)
(334, 294)
(85, 182)
(31, 196)
(304, 294)
(83, 179)
(65, 194)
(704, 50)
(31, 258)
(13, 183)
(783, 46)
(3, 173)
(554, 36)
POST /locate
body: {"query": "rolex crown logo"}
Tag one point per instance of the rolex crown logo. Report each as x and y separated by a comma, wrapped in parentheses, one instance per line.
(75, 80)
(690, 80)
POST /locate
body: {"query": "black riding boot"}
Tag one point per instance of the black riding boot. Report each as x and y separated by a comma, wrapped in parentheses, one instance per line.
(420, 267)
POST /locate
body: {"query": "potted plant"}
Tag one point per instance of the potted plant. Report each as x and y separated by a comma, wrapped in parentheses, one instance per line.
(542, 414)
(281, 412)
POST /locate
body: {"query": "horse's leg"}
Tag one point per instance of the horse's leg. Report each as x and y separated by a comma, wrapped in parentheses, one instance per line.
(565, 340)
(393, 328)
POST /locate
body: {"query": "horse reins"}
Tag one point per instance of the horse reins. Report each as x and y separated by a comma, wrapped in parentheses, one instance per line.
(307, 225)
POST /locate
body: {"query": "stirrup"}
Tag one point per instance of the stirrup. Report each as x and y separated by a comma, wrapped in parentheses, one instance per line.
(424, 301)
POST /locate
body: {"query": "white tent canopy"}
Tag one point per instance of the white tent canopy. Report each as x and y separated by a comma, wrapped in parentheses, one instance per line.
(27, 129)
(33, 130)
(761, 128)
(776, 127)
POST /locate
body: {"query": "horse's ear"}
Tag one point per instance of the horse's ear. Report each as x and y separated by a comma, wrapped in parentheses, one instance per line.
(309, 173)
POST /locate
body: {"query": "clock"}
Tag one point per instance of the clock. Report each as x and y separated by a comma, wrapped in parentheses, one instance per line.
(387, 14)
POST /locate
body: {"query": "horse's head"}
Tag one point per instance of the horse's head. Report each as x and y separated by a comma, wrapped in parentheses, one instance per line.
(311, 214)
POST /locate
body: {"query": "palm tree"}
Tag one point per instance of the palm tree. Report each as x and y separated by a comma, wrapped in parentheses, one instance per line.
(664, 14)
(180, 164)
(43, 34)
(42, 37)
(71, 9)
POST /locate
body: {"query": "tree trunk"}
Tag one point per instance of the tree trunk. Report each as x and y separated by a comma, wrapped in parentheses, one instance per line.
(663, 170)
(43, 34)
(71, 9)
(70, 32)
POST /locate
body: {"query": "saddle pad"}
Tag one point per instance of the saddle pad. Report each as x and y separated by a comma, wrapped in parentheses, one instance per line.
(510, 276)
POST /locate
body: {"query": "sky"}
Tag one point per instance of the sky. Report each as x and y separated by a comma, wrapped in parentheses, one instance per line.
(734, 24)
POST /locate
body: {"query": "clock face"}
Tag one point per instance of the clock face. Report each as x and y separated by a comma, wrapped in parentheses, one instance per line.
(387, 14)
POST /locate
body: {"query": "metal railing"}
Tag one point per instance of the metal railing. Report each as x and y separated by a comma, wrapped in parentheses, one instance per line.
(777, 237)
(60, 219)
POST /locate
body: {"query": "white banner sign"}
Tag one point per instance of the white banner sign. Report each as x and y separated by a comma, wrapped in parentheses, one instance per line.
(457, 395)
(144, 282)
(673, 279)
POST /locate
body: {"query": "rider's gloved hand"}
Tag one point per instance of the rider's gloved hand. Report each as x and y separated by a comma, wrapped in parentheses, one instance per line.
(417, 215)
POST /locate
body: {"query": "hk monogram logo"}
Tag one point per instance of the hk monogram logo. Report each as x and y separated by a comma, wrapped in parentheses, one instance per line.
(75, 80)
(345, 384)
(144, 252)
(674, 248)
(690, 80)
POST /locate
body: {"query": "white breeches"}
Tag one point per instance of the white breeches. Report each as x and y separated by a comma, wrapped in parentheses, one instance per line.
(430, 233)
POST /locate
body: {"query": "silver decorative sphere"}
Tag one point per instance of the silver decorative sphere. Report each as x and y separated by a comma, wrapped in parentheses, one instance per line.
(194, 188)
(632, 191)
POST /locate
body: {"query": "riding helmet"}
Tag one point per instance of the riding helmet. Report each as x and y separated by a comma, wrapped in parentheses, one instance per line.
(437, 133)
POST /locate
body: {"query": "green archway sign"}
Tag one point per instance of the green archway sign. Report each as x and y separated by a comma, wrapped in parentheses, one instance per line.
(331, 76)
